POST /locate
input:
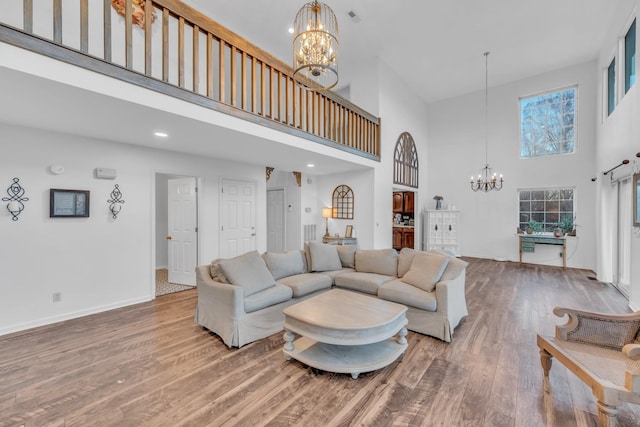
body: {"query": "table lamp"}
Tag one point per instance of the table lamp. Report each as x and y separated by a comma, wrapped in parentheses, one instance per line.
(326, 214)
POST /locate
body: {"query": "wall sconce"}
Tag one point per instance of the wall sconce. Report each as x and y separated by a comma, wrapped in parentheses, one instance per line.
(15, 199)
(326, 214)
(115, 201)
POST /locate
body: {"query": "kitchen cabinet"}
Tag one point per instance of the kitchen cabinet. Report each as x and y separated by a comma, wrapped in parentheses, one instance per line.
(408, 201)
(403, 202)
(403, 237)
(398, 202)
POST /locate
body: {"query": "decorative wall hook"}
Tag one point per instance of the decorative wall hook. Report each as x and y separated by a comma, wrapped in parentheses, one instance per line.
(15, 199)
(115, 201)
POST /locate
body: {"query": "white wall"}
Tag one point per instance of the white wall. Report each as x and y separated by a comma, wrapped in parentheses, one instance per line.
(285, 180)
(618, 138)
(97, 263)
(457, 151)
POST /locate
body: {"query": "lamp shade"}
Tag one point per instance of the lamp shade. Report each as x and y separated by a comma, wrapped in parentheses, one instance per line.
(326, 212)
(315, 47)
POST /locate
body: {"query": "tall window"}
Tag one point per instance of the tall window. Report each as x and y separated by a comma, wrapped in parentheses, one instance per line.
(545, 208)
(611, 87)
(630, 57)
(547, 124)
(405, 161)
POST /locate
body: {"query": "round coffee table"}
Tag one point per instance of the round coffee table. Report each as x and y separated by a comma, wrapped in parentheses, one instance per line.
(345, 332)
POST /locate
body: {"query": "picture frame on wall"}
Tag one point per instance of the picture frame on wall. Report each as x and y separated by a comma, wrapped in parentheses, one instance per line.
(68, 203)
(636, 199)
(349, 231)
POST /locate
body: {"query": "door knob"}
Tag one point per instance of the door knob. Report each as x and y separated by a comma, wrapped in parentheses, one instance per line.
(168, 237)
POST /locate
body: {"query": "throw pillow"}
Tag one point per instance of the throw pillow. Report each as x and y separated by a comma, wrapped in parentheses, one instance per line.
(249, 272)
(216, 271)
(426, 270)
(284, 264)
(454, 268)
(378, 261)
(347, 254)
(405, 258)
(324, 257)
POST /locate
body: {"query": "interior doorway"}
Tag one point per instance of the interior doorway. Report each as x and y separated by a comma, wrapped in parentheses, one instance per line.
(176, 233)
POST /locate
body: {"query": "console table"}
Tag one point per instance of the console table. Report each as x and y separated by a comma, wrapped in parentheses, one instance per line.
(340, 240)
(529, 241)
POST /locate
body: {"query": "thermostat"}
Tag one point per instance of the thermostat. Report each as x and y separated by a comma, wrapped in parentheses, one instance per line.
(105, 173)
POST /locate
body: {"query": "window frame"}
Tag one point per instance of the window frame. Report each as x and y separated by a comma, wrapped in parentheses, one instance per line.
(551, 225)
(627, 80)
(561, 89)
(612, 93)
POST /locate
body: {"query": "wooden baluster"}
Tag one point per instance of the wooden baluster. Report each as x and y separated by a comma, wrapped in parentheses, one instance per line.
(106, 30)
(263, 89)
(221, 77)
(209, 65)
(57, 21)
(307, 110)
(279, 77)
(128, 34)
(271, 98)
(27, 16)
(181, 51)
(287, 99)
(148, 18)
(232, 71)
(196, 59)
(253, 85)
(243, 74)
(84, 26)
(165, 44)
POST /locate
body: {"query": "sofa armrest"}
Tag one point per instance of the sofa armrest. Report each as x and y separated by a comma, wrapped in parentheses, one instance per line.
(451, 298)
(221, 299)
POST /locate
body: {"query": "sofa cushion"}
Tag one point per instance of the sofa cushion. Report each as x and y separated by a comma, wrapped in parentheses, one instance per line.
(306, 283)
(284, 264)
(454, 268)
(324, 257)
(333, 273)
(248, 271)
(405, 258)
(404, 293)
(347, 255)
(378, 261)
(426, 270)
(364, 282)
(267, 297)
(216, 271)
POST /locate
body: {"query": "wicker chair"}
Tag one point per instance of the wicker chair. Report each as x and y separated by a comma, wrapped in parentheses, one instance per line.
(603, 351)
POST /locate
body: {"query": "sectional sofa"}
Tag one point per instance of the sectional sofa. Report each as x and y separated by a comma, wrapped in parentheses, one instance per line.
(241, 299)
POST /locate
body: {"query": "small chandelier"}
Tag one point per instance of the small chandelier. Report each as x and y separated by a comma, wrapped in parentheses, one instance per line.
(315, 47)
(487, 179)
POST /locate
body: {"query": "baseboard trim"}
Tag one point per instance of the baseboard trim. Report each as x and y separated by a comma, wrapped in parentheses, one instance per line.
(71, 315)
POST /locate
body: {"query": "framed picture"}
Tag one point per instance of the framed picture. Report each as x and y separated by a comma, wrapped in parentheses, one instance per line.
(349, 231)
(68, 203)
(636, 200)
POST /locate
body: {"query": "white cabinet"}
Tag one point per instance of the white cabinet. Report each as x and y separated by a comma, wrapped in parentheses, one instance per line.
(441, 230)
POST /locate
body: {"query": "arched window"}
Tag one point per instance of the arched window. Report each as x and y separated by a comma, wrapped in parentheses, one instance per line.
(405, 161)
(342, 200)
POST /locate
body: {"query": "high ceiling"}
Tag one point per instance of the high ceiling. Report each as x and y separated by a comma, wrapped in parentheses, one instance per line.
(437, 46)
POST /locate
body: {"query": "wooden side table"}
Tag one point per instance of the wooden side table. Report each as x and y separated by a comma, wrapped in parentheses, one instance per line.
(529, 241)
(340, 240)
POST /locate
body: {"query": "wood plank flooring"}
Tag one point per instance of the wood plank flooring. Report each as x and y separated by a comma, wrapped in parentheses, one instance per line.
(151, 365)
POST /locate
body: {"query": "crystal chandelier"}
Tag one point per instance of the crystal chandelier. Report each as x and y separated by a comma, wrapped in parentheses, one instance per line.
(315, 47)
(487, 179)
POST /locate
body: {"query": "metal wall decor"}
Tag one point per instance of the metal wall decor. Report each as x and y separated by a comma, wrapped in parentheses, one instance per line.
(115, 201)
(342, 198)
(15, 199)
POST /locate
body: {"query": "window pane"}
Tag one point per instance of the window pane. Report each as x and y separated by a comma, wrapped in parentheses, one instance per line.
(630, 57)
(546, 124)
(546, 207)
(611, 87)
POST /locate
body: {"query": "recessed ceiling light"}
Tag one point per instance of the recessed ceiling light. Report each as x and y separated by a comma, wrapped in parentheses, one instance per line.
(311, 165)
(161, 134)
(290, 30)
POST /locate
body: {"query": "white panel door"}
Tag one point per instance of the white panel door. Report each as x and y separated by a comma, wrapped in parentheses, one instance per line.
(238, 228)
(183, 231)
(275, 220)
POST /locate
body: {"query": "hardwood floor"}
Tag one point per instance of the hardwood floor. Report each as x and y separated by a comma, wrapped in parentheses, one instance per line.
(151, 365)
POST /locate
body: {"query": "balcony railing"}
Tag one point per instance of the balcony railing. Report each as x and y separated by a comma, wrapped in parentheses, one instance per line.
(174, 49)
